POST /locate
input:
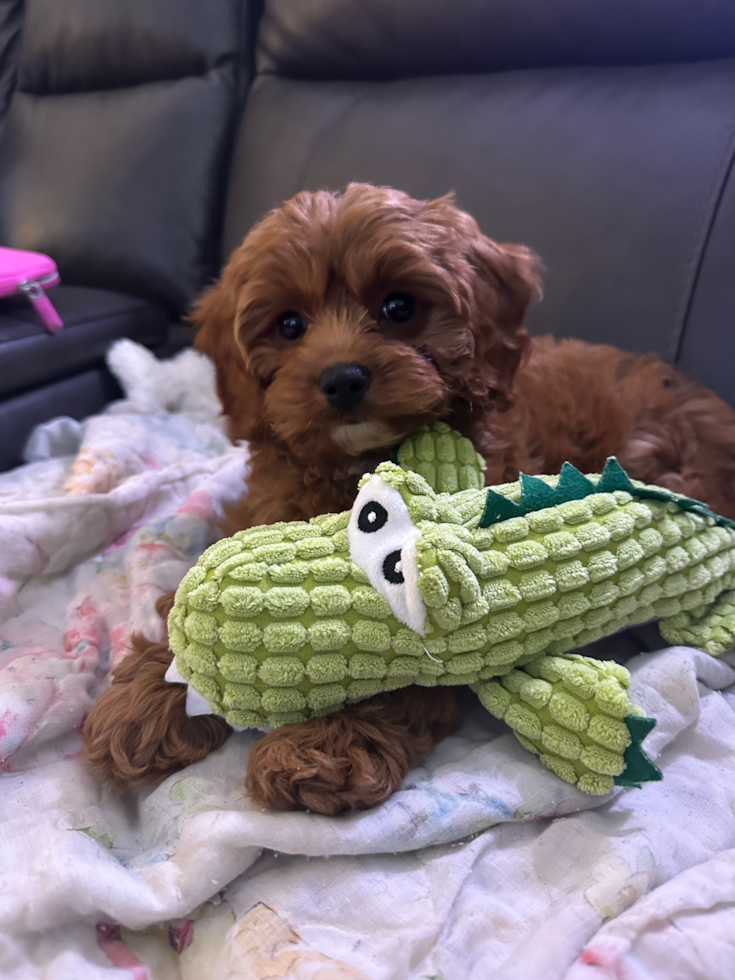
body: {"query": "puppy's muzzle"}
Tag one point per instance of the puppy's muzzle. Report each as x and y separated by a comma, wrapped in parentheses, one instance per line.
(344, 385)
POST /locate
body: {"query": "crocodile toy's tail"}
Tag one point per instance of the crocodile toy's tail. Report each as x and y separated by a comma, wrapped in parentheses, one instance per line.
(575, 713)
(711, 629)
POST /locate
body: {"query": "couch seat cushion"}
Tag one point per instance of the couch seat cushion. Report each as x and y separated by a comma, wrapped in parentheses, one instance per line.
(93, 318)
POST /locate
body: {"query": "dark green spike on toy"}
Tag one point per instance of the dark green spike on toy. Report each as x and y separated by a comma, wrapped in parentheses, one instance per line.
(702, 510)
(694, 506)
(614, 477)
(499, 508)
(573, 485)
(639, 768)
(666, 497)
(536, 495)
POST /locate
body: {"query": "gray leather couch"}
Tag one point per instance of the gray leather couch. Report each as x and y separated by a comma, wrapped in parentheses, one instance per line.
(144, 138)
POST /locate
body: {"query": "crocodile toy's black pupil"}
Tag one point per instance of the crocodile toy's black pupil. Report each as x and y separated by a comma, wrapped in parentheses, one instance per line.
(372, 517)
(392, 568)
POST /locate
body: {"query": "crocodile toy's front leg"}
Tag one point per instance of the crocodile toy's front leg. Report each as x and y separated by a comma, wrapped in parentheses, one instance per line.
(711, 629)
(575, 713)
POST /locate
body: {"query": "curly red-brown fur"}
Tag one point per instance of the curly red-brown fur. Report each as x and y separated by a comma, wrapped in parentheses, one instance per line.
(138, 730)
(333, 258)
(583, 402)
(465, 358)
(354, 759)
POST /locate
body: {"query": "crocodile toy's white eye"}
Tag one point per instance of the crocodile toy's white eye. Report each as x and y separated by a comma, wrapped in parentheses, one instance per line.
(372, 517)
(382, 540)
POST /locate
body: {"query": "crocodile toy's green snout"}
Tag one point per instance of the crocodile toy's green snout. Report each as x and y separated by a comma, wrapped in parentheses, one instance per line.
(487, 588)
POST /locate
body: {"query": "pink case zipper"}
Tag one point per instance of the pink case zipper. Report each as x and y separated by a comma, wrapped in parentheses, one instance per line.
(43, 305)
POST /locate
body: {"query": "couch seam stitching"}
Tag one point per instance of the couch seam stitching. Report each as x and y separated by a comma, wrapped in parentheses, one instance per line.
(693, 267)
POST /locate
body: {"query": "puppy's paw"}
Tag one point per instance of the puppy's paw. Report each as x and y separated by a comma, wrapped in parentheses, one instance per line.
(354, 759)
(333, 765)
(138, 731)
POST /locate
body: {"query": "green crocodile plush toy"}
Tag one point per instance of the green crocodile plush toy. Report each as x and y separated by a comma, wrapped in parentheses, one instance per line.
(433, 579)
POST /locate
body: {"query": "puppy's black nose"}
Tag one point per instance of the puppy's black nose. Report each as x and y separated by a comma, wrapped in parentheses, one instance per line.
(344, 385)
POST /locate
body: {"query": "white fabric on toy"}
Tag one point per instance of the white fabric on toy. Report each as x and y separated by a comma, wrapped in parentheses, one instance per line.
(382, 540)
(196, 703)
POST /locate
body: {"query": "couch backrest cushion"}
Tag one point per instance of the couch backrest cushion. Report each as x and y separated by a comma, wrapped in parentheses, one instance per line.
(388, 39)
(11, 18)
(616, 175)
(113, 155)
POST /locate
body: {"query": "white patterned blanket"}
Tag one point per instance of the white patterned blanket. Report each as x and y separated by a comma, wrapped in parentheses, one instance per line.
(483, 865)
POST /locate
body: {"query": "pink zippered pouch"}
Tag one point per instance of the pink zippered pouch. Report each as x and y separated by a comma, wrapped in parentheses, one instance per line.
(30, 273)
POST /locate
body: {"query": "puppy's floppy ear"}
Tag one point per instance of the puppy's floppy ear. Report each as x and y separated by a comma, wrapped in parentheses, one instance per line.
(241, 394)
(506, 279)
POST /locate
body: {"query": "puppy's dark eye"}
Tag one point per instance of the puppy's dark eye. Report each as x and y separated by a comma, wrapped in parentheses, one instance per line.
(291, 326)
(399, 307)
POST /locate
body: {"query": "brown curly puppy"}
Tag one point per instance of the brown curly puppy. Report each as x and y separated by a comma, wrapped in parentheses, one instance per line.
(341, 324)
(138, 731)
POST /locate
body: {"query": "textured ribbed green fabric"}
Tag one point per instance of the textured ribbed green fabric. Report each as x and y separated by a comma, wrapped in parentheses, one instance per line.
(281, 623)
